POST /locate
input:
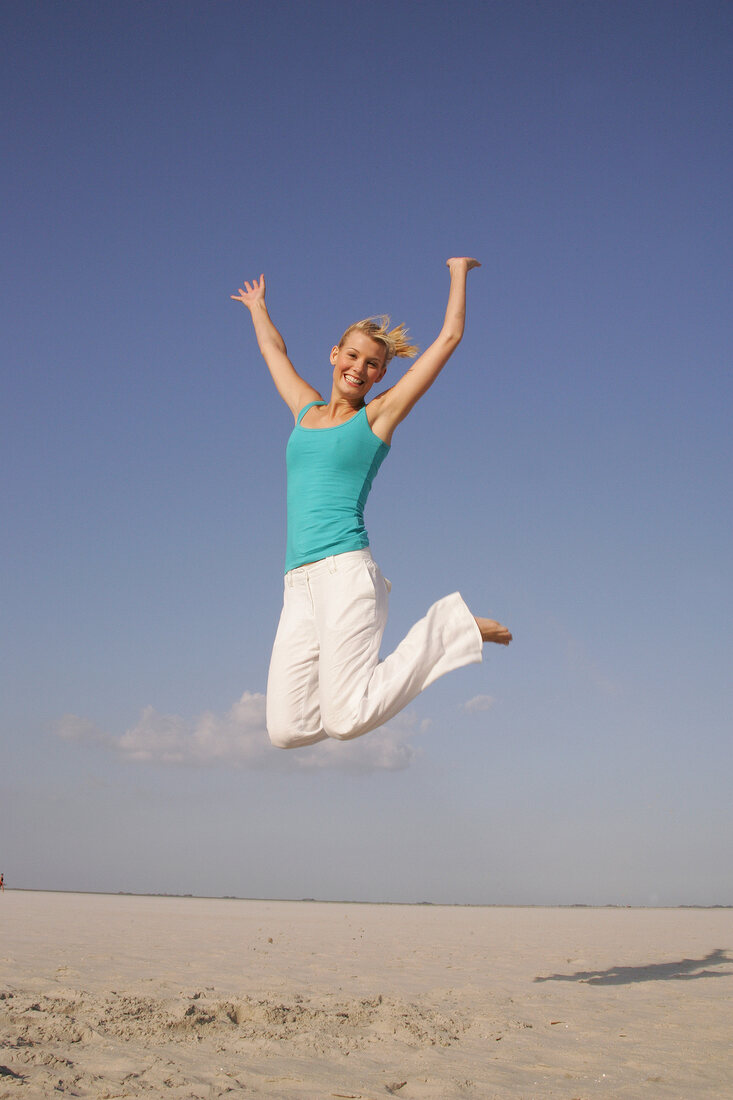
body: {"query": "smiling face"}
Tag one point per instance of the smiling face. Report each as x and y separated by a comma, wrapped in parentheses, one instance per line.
(357, 365)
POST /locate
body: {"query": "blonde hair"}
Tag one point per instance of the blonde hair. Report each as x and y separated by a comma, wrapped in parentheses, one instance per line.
(395, 342)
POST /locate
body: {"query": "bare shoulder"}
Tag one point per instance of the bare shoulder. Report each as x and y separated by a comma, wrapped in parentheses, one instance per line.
(303, 395)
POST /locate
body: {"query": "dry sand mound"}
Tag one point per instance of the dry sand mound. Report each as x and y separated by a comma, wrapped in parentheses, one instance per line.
(87, 1045)
(301, 1022)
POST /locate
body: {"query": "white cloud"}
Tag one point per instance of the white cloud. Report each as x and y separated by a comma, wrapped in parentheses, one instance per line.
(384, 749)
(478, 703)
(73, 728)
(239, 737)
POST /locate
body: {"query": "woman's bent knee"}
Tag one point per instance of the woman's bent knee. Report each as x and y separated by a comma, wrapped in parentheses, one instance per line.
(285, 737)
(344, 727)
(282, 739)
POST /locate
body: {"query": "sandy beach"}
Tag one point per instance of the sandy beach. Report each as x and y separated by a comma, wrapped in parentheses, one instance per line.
(122, 996)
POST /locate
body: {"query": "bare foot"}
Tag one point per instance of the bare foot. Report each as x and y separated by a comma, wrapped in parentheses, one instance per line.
(491, 631)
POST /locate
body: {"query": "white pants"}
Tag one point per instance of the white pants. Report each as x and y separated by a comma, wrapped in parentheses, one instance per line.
(326, 678)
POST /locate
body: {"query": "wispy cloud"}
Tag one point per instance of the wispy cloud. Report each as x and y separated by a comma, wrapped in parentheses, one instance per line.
(239, 738)
(478, 703)
(73, 728)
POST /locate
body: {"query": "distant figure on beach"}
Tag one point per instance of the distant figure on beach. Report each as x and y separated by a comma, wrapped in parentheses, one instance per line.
(326, 678)
(2, 882)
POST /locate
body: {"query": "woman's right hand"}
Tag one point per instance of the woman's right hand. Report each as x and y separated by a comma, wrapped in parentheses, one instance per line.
(251, 292)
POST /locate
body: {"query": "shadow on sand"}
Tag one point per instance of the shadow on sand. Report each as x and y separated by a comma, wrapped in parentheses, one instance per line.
(683, 971)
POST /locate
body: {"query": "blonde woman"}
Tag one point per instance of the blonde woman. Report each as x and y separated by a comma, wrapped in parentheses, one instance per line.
(326, 678)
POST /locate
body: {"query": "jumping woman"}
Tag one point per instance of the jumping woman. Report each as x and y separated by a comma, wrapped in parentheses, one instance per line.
(326, 678)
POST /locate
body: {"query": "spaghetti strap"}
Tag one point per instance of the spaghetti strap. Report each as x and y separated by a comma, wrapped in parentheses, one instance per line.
(305, 408)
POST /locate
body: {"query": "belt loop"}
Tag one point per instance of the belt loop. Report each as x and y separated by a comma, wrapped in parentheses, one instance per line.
(332, 564)
(289, 578)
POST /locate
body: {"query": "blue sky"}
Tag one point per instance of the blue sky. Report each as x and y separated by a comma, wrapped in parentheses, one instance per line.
(570, 471)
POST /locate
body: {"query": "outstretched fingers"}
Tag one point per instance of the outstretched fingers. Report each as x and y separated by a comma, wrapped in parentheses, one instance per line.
(251, 292)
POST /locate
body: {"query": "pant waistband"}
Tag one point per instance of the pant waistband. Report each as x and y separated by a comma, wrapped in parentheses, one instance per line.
(331, 564)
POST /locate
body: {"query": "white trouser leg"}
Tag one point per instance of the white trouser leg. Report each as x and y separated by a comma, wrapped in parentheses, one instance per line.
(326, 678)
(293, 702)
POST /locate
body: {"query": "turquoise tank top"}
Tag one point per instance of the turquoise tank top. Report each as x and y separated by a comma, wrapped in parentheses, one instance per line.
(330, 473)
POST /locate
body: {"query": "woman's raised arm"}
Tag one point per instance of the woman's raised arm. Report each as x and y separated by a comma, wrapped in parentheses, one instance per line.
(392, 406)
(293, 389)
